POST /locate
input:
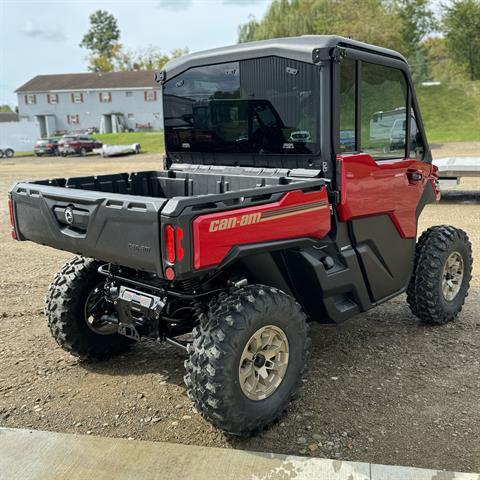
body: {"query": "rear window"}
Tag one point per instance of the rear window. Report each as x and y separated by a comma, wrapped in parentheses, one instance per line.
(258, 106)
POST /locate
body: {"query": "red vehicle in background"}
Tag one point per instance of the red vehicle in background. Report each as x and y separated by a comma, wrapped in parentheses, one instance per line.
(77, 145)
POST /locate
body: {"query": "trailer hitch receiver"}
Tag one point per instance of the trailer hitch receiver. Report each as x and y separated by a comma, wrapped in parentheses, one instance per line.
(136, 309)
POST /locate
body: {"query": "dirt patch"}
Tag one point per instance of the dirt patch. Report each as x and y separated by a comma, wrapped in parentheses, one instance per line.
(380, 387)
(455, 149)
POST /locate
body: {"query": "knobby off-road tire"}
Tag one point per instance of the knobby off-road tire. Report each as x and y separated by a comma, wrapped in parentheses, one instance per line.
(65, 311)
(437, 248)
(219, 343)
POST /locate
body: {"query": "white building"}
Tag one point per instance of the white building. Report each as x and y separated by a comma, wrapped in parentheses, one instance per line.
(111, 102)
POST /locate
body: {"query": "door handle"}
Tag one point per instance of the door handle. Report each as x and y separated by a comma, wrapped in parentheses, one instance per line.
(414, 176)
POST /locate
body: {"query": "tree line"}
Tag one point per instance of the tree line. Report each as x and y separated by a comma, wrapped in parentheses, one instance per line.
(438, 44)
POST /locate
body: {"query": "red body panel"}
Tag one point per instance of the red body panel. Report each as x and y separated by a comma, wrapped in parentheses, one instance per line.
(388, 186)
(296, 215)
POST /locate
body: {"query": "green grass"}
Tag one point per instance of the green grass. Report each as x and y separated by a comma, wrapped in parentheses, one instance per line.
(451, 113)
(151, 142)
(22, 154)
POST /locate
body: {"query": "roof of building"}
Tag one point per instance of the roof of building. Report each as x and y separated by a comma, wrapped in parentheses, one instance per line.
(295, 48)
(87, 81)
(8, 117)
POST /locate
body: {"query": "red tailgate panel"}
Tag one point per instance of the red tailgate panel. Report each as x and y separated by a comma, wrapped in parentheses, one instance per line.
(296, 215)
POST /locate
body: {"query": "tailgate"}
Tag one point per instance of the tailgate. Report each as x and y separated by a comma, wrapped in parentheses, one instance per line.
(116, 228)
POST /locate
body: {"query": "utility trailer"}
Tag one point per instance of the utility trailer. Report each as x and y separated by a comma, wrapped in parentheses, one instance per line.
(263, 219)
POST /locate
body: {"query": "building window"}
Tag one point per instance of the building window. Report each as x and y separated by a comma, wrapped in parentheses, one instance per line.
(77, 97)
(129, 94)
(105, 97)
(52, 98)
(150, 95)
(73, 119)
(30, 99)
(130, 115)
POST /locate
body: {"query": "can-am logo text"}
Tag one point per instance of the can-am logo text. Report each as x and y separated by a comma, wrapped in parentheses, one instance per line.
(232, 222)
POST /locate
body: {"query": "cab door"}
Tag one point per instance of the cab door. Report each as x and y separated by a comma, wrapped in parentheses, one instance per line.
(385, 174)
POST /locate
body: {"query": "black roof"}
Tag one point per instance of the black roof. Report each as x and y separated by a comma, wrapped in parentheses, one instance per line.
(86, 81)
(295, 48)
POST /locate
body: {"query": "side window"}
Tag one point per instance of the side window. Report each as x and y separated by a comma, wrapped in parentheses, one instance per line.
(347, 106)
(383, 111)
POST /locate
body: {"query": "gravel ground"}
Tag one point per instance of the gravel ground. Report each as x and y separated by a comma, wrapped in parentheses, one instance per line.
(380, 388)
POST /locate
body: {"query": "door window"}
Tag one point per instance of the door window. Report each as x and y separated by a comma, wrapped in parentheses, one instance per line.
(383, 111)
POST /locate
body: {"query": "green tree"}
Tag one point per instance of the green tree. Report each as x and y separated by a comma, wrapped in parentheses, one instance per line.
(397, 24)
(5, 108)
(371, 21)
(102, 40)
(416, 21)
(150, 58)
(284, 18)
(461, 24)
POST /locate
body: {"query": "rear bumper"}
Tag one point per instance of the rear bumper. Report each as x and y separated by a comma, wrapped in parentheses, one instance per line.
(45, 151)
(68, 150)
(119, 229)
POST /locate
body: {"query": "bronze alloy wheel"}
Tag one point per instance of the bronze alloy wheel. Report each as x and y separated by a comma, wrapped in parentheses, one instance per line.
(263, 363)
(452, 277)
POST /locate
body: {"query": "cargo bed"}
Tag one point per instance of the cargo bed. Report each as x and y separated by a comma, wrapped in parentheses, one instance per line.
(117, 218)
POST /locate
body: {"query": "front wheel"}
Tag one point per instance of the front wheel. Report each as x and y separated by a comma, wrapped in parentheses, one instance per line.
(441, 276)
(247, 358)
(83, 152)
(80, 318)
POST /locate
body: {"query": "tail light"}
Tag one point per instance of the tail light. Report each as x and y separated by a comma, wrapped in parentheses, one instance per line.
(178, 243)
(170, 244)
(12, 218)
(174, 251)
(49, 145)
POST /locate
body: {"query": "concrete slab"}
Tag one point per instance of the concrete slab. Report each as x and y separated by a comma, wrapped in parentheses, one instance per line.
(385, 472)
(36, 455)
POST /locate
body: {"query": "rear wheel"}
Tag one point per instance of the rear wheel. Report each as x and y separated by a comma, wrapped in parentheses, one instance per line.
(247, 357)
(83, 152)
(9, 153)
(79, 315)
(441, 276)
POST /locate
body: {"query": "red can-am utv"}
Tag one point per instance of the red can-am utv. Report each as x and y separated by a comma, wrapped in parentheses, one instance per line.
(295, 173)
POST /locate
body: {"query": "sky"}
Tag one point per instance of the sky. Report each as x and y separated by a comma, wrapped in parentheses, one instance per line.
(42, 37)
